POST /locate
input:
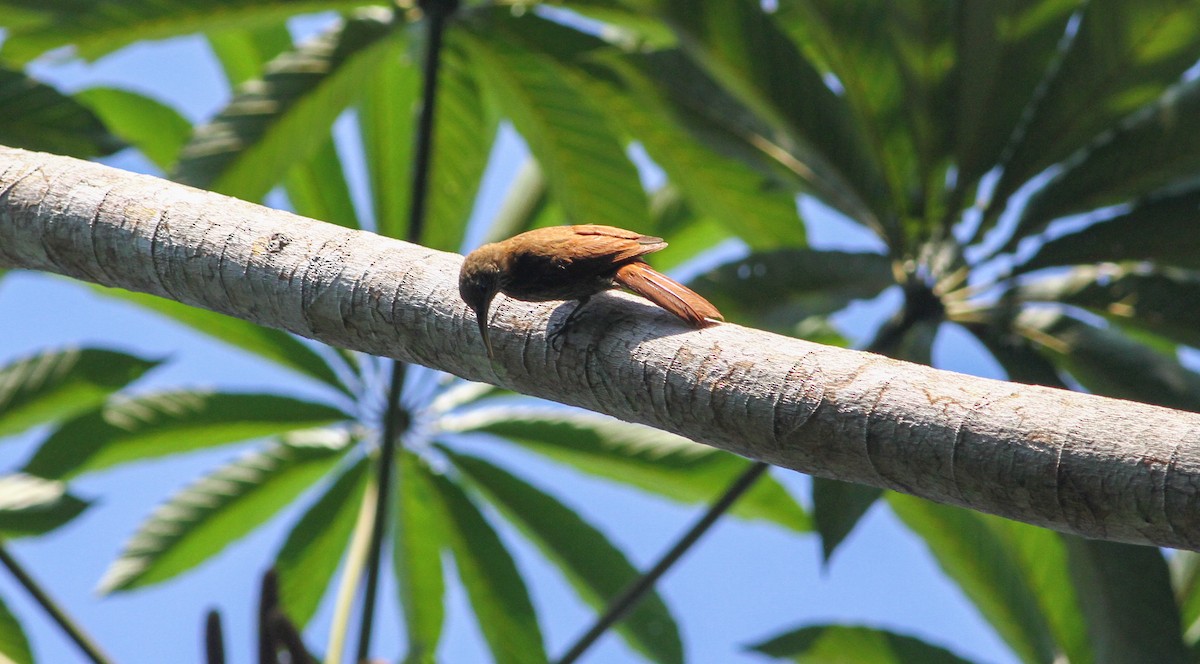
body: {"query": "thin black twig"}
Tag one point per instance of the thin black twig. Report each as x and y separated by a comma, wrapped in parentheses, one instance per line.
(628, 599)
(76, 634)
(214, 639)
(395, 417)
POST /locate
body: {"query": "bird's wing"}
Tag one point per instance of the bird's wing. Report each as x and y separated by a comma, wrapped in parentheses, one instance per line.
(593, 241)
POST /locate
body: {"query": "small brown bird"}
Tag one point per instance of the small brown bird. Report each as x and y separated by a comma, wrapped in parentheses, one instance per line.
(573, 263)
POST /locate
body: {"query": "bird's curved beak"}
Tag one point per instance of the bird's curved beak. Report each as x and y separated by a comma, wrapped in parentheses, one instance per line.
(481, 317)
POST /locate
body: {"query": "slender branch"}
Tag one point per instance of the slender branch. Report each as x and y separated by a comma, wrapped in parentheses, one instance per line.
(395, 418)
(630, 597)
(214, 639)
(76, 634)
(387, 452)
(437, 12)
(1043, 456)
(268, 599)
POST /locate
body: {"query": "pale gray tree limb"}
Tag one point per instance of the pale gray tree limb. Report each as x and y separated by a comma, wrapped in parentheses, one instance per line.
(1089, 465)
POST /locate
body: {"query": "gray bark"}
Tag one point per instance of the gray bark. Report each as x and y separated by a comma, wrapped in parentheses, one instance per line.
(1082, 464)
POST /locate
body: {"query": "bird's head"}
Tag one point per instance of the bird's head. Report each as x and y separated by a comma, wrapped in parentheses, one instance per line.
(478, 283)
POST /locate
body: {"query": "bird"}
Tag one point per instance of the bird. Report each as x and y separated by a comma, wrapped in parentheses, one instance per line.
(574, 263)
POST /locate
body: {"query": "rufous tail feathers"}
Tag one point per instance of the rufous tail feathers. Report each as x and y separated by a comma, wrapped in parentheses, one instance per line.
(667, 293)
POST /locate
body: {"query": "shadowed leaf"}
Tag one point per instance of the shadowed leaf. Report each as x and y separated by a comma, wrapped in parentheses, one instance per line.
(863, 645)
(420, 537)
(494, 586)
(655, 461)
(95, 27)
(584, 162)
(1126, 596)
(221, 508)
(34, 506)
(154, 128)
(35, 116)
(283, 118)
(268, 343)
(58, 385)
(1012, 572)
(313, 550)
(597, 569)
(168, 423)
(775, 290)
(1109, 362)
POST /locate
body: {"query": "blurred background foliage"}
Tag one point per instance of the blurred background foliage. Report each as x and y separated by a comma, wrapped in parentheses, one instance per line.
(1029, 171)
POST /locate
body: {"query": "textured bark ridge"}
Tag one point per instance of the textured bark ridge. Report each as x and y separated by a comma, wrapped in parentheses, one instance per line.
(1084, 464)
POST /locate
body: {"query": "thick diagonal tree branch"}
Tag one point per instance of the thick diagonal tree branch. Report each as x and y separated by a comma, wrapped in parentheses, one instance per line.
(1089, 465)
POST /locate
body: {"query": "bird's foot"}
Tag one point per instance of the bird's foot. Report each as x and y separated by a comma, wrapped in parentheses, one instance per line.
(559, 334)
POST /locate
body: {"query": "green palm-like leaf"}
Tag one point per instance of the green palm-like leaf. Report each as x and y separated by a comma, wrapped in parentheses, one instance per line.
(25, 14)
(1126, 596)
(655, 461)
(35, 116)
(1107, 361)
(773, 290)
(1017, 355)
(421, 535)
(284, 118)
(744, 49)
(244, 54)
(862, 645)
(314, 547)
(386, 121)
(691, 234)
(896, 62)
(837, 507)
(1160, 147)
(96, 27)
(1004, 49)
(488, 574)
(464, 131)
(584, 162)
(222, 507)
(1185, 579)
(167, 423)
(596, 568)
(1121, 57)
(57, 385)
(712, 115)
(34, 506)
(1161, 228)
(762, 211)
(1131, 295)
(14, 645)
(316, 187)
(154, 128)
(1012, 572)
(463, 136)
(270, 344)
(777, 288)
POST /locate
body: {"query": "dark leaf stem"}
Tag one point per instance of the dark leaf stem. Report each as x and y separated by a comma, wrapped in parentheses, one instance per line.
(395, 419)
(638, 589)
(76, 634)
(214, 639)
(268, 600)
(387, 452)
